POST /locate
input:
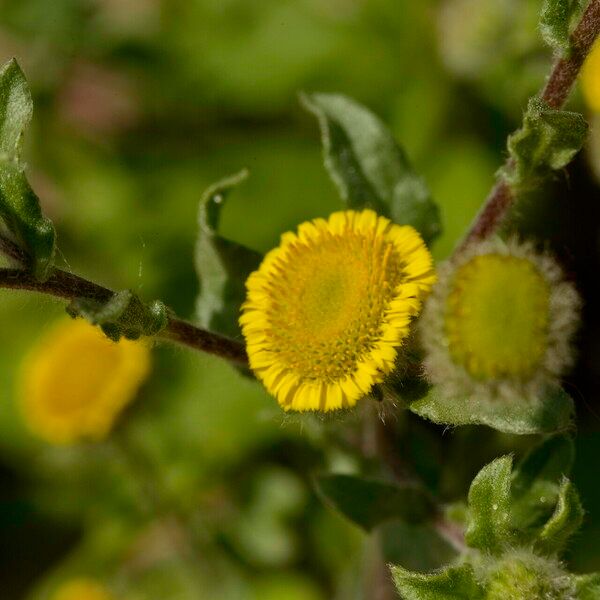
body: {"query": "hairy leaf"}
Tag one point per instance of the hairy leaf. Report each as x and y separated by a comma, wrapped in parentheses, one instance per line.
(454, 583)
(124, 315)
(19, 206)
(555, 23)
(488, 524)
(552, 412)
(536, 484)
(369, 167)
(222, 265)
(548, 140)
(588, 586)
(565, 521)
(368, 502)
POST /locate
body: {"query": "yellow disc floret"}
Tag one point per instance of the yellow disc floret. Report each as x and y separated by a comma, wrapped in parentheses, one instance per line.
(497, 316)
(590, 78)
(75, 382)
(82, 589)
(328, 308)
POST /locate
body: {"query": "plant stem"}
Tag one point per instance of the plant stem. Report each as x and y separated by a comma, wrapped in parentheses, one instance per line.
(68, 286)
(555, 94)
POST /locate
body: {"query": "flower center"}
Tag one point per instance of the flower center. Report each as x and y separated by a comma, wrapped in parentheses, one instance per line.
(329, 304)
(497, 317)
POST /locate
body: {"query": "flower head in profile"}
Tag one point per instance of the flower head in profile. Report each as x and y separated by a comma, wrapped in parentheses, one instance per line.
(590, 78)
(327, 310)
(75, 382)
(82, 589)
(499, 323)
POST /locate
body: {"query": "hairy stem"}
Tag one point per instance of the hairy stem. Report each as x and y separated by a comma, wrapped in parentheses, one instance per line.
(555, 94)
(68, 286)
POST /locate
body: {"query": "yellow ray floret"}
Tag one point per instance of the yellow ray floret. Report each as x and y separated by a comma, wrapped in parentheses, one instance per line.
(82, 589)
(75, 382)
(328, 308)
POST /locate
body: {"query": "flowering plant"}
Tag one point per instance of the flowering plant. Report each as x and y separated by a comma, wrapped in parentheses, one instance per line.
(350, 320)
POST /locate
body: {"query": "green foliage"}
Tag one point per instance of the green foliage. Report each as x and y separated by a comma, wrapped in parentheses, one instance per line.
(454, 583)
(588, 587)
(551, 412)
(555, 23)
(489, 507)
(222, 265)
(19, 206)
(565, 521)
(368, 502)
(124, 315)
(547, 141)
(369, 167)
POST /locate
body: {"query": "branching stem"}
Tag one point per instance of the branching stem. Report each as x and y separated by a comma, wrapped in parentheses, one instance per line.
(555, 94)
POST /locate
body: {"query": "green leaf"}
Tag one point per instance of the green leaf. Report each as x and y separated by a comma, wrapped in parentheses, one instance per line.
(555, 23)
(547, 141)
(124, 315)
(417, 547)
(536, 484)
(565, 521)
(488, 525)
(222, 265)
(369, 502)
(19, 206)
(588, 586)
(454, 583)
(369, 167)
(551, 413)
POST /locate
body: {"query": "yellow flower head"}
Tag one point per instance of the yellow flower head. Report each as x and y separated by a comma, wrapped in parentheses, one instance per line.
(82, 589)
(75, 382)
(499, 323)
(590, 78)
(327, 309)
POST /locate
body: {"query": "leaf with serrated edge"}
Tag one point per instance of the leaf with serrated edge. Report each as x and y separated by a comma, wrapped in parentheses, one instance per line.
(488, 525)
(222, 265)
(454, 583)
(368, 502)
(368, 166)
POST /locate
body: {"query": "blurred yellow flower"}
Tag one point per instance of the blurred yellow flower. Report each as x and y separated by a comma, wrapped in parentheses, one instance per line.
(327, 309)
(75, 382)
(82, 589)
(590, 78)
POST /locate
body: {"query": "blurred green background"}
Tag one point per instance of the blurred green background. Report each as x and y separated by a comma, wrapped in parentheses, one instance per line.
(204, 491)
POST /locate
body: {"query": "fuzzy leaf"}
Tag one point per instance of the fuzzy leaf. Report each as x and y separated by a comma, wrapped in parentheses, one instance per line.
(588, 586)
(488, 525)
(548, 140)
(553, 412)
(369, 167)
(369, 502)
(454, 583)
(555, 23)
(418, 547)
(536, 484)
(222, 265)
(124, 315)
(19, 206)
(565, 521)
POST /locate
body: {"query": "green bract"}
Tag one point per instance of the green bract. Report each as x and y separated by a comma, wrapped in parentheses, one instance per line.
(19, 206)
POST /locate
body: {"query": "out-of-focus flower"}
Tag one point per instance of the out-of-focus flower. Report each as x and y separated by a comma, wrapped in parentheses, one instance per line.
(82, 589)
(590, 78)
(327, 309)
(499, 323)
(75, 382)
